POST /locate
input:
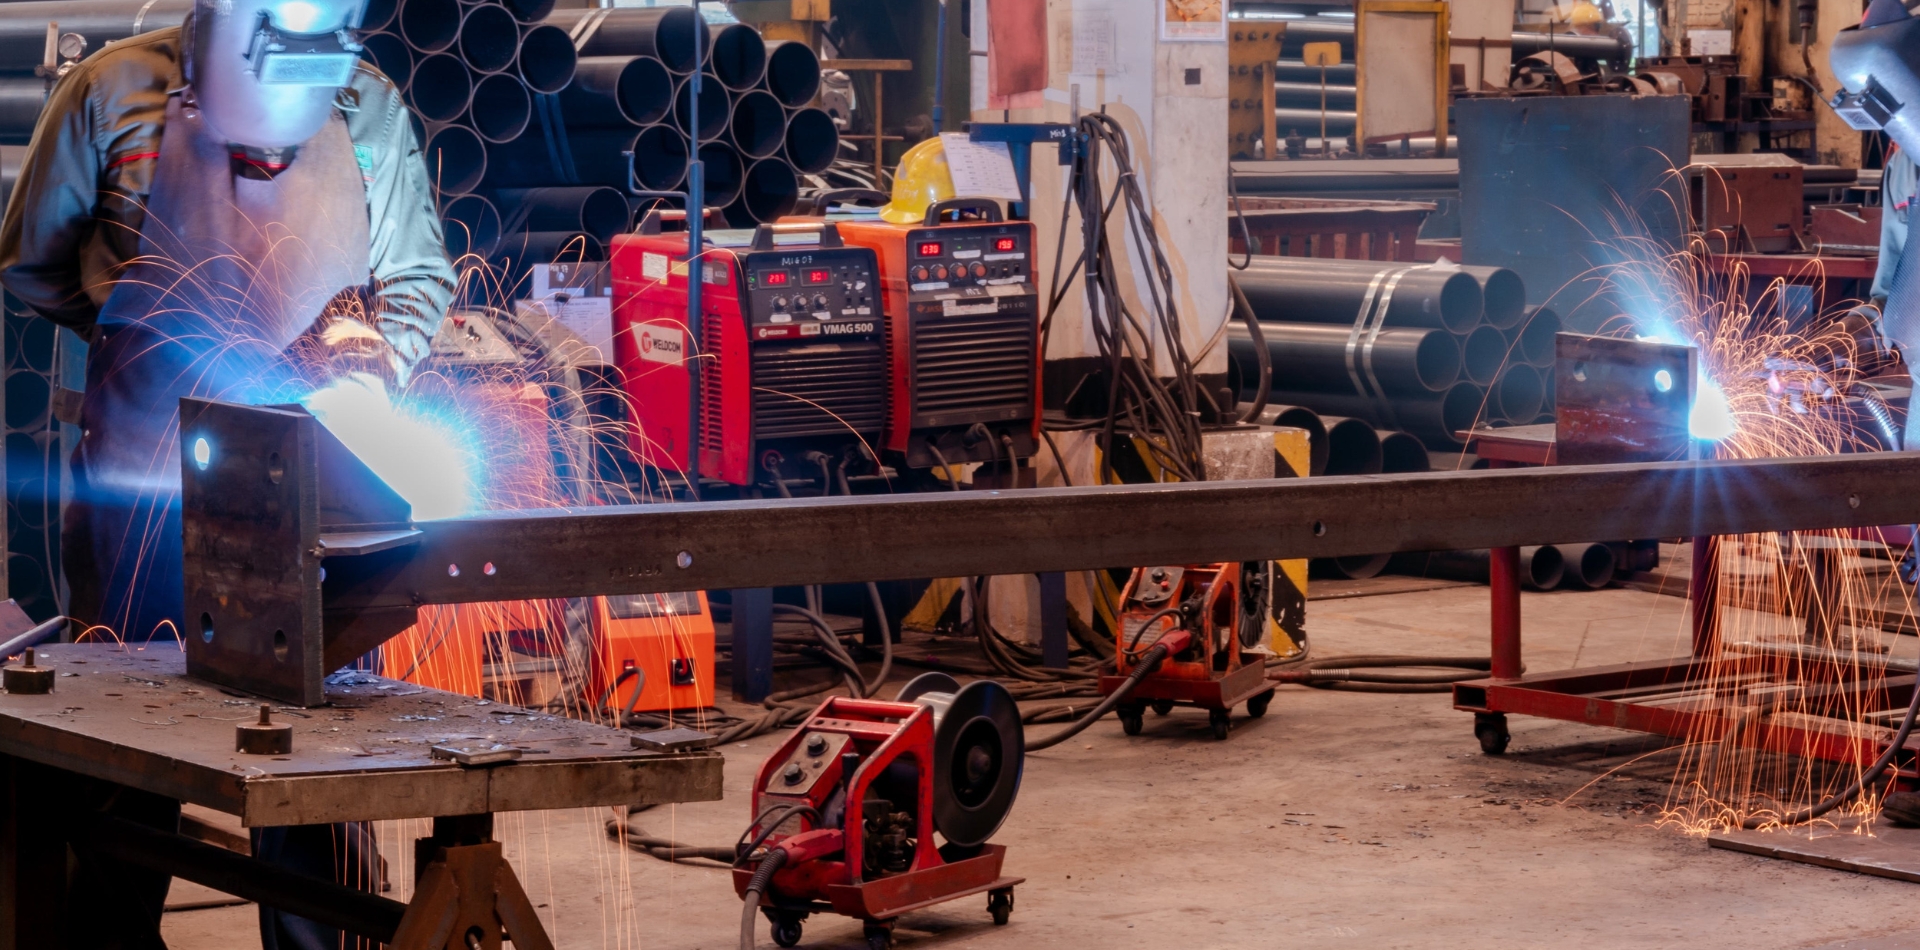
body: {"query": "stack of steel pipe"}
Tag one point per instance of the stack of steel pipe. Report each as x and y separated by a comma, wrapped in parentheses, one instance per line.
(1426, 349)
(1584, 566)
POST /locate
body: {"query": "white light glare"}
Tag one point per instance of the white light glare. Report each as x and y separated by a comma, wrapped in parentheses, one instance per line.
(297, 16)
(1712, 416)
(416, 456)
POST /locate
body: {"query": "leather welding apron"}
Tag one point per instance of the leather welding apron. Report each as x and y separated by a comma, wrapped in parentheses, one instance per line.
(231, 270)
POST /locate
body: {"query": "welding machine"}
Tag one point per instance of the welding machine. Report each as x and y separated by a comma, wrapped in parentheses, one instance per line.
(939, 758)
(652, 652)
(1224, 607)
(794, 349)
(963, 328)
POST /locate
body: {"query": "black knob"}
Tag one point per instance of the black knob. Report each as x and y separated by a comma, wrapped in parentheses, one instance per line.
(779, 303)
(820, 301)
(793, 774)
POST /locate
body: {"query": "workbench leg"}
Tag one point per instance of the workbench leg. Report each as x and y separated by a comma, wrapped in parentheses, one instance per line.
(1703, 596)
(1053, 620)
(1503, 569)
(1823, 589)
(33, 858)
(752, 644)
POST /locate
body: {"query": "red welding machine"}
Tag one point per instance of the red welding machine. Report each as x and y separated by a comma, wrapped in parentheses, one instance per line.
(793, 355)
(939, 758)
(1224, 607)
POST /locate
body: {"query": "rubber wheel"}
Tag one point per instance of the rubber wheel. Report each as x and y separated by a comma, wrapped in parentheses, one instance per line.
(879, 938)
(1491, 730)
(1162, 707)
(1132, 720)
(1000, 905)
(1257, 706)
(1221, 721)
(786, 931)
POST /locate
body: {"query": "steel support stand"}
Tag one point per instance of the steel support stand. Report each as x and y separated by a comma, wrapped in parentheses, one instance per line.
(1503, 570)
(1053, 620)
(33, 857)
(752, 644)
(1703, 595)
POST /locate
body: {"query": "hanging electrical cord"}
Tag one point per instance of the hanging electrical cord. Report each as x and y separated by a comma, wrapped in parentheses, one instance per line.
(1871, 775)
(1262, 358)
(1355, 673)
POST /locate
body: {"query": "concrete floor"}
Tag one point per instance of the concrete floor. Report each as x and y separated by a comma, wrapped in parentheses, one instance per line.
(1340, 819)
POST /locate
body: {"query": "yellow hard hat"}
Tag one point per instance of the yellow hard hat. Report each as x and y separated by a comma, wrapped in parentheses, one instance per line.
(1587, 14)
(922, 179)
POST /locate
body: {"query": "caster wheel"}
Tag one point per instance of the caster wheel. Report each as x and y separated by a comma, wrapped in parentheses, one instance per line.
(1257, 706)
(1491, 730)
(1132, 719)
(1000, 905)
(879, 937)
(786, 932)
(1221, 721)
(1162, 707)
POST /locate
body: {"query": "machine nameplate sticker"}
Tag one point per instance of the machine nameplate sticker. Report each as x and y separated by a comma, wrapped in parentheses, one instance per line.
(661, 344)
(653, 266)
(954, 308)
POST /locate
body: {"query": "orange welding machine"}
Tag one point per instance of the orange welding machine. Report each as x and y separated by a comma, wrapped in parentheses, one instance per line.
(1224, 608)
(846, 811)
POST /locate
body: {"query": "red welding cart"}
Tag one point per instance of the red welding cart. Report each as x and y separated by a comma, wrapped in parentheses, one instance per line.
(793, 349)
(1223, 605)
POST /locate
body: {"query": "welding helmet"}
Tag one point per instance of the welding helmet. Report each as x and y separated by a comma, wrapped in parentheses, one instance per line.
(265, 72)
(921, 180)
(1875, 65)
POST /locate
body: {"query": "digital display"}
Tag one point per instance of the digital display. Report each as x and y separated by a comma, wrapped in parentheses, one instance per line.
(929, 249)
(820, 276)
(774, 278)
(1003, 244)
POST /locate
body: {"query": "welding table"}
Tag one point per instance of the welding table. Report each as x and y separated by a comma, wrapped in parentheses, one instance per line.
(131, 716)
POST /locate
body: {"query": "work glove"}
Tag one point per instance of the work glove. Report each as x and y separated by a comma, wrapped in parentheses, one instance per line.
(343, 341)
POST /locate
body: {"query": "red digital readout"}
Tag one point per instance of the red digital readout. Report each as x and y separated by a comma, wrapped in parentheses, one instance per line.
(929, 249)
(774, 278)
(819, 276)
(1003, 244)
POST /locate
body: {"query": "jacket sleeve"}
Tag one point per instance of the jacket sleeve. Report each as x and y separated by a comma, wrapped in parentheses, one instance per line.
(51, 212)
(1896, 187)
(413, 280)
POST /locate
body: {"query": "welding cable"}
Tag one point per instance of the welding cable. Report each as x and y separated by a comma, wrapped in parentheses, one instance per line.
(625, 675)
(757, 885)
(1877, 408)
(1151, 661)
(1854, 788)
(1262, 358)
(1351, 673)
(830, 642)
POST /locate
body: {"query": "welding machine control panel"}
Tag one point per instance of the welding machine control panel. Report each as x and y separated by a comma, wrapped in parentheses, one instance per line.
(985, 255)
(812, 293)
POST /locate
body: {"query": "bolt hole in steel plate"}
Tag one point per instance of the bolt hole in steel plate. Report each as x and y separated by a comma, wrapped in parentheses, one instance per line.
(280, 645)
(206, 628)
(1319, 529)
(202, 453)
(276, 468)
(683, 559)
(453, 570)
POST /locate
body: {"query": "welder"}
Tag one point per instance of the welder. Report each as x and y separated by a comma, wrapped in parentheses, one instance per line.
(236, 208)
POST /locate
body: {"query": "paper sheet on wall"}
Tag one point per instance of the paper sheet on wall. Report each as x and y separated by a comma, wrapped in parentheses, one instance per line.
(1094, 43)
(980, 169)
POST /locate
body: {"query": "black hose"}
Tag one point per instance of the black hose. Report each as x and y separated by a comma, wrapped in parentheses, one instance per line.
(1151, 661)
(856, 680)
(1262, 357)
(757, 885)
(1853, 789)
(1881, 413)
(1345, 673)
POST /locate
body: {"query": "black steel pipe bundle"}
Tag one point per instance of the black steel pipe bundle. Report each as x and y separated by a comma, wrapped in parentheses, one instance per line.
(1482, 353)
(1503, 296)
(430, 26)
(500, 108)
(1307, 95)
(1339, 121)
(456, 159)
(759, 125)
(1402, 452)
(617, 91)
(442, 87)
(378, 13)
(1516, 396)
(1589, 566)
(1295, 70)
(391, 55)
(726, 174)
(660, 157)
(1314, 356)
(713, 108)
(596, 211)
(529, 11)
(489, 38)
(21, 99)
(1357, 567)
(1433, 417)
(1542, 566)
(547, 59)
(1320, 290)
(1300, 417)
(769, 190)
(471, 225)
(1532, 340)
(1353, 446)
(665, 33)
(813, 141)
(793, 73)
(590, 157)
(738, 57)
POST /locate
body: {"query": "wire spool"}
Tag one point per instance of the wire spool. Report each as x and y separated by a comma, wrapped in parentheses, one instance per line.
(1533, 338)
(759, 126)
(660, 157)
(1503, 294)
(813, 141)
(1516, 397)
(430, 26)
(714, 108)
(1482, 353)
(770, 190)
(456, 159)
(614, 91)
(1323, 290)
(979, 754)
(441, 88)
(387, 52)
(472, 226)
(725, 174)
(1402, 452)
(1300, 417)
(793, 73)
(738, 56)
(1589, 566)
(1315, 356)
(501, 108)
(594, 210)
(666, 33)
(546, 59)
(1353, 446)
(489, 38)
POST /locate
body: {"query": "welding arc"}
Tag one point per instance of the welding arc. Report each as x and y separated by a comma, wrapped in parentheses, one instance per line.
(666, 33)
(1355, 673)
(616, 92)
(793, 73)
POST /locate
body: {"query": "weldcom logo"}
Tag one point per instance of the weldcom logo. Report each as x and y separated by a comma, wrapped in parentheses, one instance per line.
(661, 344)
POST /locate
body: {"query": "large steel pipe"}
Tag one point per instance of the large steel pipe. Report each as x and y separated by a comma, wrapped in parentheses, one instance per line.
(441, 88)
(471, 225)
(1317, 356)
(738, 57)
(1532, 340)
(501, 107)
(1434, 417)
(1321, 290)
(1482, 353)
(660, 158)
(1306, 95)
(456, 159)
(617, 91)
(378, 15)
(1503, 296)
(725, 174)
(1308, 120)
(759, 126)
(391, 55)
(430, 25)
(1357, 567)
(489, 37)
(793, 73)
(529, 11)
(21, 100)
(713, 108)
(516, 251)
(547, 59)
(589, 157)
(1300, 417)
(1589, 566)
(594, 210)
(813, 141)
(666, 33)
(1402, 452)
(1542, 566)
(23, 30)
(1353, 446)
(1295, 70)
(769, 190)
(1517, 395)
